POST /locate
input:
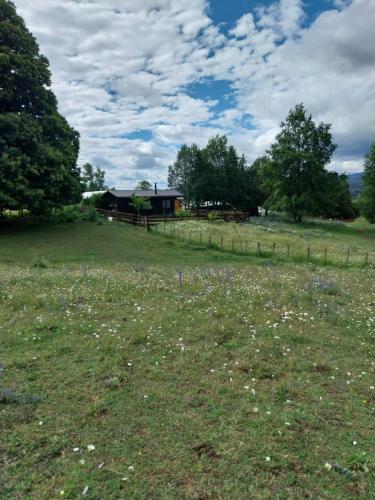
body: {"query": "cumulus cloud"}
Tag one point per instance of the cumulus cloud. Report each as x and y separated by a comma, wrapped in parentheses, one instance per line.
(122, 67)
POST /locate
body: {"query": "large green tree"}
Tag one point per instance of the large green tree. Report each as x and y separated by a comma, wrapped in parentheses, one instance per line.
(182, 173)
(367, 199)
(215, 175)
(297, 175)
(38, 148)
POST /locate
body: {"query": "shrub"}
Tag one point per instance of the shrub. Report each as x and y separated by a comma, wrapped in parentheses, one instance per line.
(181, 212)
(212, 217)
(90, 215)
(69, 215)
(93, 201)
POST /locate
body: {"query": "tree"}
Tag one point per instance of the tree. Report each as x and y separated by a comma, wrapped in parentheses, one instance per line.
(367, 198)
(296, 177)
(143, 186)
(215, 175)
(338, 200)
(38, 148)
(182, 175)
(140, 203)
(259, 169)
(93, 178)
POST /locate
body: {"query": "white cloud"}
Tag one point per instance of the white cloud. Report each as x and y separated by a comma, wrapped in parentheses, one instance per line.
(121, 66)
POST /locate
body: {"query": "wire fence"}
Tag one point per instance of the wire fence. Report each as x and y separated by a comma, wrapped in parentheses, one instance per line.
(320, 255)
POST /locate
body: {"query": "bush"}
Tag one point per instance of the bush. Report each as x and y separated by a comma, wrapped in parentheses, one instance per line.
(212, 217)
(90, 215)
(68, 214)
(181, 212)
(93, 201)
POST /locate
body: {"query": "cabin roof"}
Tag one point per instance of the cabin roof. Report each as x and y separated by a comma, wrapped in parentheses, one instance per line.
(148, 193)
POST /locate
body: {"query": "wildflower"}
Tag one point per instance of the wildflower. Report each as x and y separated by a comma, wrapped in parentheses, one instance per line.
(131, 467)
(268, 459)
(84, 492)
(328, 466)
(91, 447)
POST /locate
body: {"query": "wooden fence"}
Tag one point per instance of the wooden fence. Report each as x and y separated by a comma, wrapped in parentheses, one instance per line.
(152, 220)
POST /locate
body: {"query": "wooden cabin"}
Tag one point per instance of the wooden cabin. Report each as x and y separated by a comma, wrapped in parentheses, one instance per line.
(163, 201)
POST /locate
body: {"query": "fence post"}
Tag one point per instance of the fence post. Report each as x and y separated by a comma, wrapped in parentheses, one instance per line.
(347, 257)
(233, 245)
(273, 249)
(222, 242)
(288, 251)
(200, 237)
(308, 253)
(325, 255)
(258, 245)
(147, 224)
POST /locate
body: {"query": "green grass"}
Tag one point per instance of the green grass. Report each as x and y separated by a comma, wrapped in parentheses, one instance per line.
(328, 242)
(252, 380)
(92, 243)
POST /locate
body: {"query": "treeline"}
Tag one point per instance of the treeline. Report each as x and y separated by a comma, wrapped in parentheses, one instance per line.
(291, 177)
(216, 175)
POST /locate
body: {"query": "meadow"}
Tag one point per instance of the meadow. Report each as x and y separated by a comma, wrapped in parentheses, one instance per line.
(323, 242)
(137, 366)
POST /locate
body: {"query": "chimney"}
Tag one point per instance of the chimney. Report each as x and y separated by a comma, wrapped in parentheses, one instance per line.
(156, 188)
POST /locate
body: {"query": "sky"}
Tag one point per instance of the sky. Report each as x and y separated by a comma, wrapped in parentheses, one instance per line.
(139, 78)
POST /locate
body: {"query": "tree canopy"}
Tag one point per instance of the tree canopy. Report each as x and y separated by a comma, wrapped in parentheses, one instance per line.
(296, 175)
(215, 175)
(367, 199)
(143, 186)
(93, 178)
(38, 148)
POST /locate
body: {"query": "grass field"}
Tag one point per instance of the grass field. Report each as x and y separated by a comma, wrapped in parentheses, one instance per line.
(324, 241)
(238, 378)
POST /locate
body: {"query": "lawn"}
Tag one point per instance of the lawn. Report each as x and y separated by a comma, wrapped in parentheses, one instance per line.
(237, 378)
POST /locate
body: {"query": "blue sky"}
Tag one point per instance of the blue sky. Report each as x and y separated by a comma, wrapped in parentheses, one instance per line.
(140, 78)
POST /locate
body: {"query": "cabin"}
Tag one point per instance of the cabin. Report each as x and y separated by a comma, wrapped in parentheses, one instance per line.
(163, 201)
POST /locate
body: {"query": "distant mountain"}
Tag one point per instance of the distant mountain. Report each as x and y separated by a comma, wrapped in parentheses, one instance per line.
(355, 183)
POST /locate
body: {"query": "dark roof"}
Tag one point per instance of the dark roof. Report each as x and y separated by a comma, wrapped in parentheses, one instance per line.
(148, 193)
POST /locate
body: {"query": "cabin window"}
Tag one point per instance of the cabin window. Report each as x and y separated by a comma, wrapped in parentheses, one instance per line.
(166, 204)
